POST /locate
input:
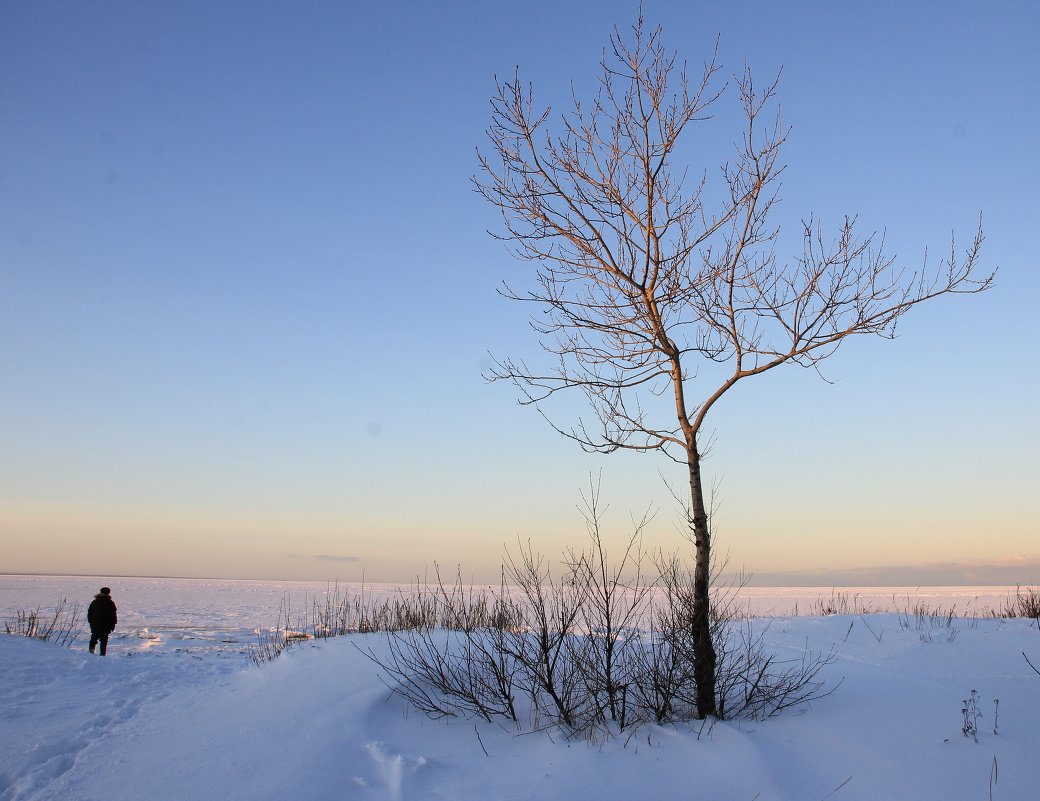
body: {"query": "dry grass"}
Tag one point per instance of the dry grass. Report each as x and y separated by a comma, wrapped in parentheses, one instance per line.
(1025, 603)
(426, 606)
(59, 625)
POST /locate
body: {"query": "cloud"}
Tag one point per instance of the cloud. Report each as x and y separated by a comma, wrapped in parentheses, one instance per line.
(1013, 570)
(324, 557)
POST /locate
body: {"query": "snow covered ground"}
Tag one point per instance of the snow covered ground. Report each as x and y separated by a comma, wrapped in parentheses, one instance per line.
(202, 613)
(179, 712)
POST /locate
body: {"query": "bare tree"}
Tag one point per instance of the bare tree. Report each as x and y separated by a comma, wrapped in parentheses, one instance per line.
(640, 274)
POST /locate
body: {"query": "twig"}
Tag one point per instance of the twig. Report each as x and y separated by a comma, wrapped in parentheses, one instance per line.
(876, 636)
(832, 792)
(482, 748)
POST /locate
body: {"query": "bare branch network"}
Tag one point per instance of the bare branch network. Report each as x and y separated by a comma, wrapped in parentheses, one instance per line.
(636, 276)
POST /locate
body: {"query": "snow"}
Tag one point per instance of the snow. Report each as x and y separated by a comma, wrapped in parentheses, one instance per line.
(187, 715)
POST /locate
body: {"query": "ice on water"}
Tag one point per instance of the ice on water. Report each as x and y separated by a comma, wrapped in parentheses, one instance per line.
(178, 711)
(224, 615)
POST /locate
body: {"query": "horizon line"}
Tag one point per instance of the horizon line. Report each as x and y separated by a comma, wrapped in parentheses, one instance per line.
(750, 584)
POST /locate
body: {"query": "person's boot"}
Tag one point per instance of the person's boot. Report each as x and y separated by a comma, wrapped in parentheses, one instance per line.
(92, 649)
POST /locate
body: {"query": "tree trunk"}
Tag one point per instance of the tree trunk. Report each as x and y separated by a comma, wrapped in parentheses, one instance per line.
(704, 648)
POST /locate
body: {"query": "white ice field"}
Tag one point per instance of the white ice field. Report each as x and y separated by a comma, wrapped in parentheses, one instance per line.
(178, 711)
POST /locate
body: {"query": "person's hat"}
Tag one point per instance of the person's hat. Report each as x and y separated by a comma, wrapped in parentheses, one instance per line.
(106, 591)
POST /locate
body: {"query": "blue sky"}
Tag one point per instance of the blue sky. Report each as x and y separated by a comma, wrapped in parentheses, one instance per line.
(247, 293)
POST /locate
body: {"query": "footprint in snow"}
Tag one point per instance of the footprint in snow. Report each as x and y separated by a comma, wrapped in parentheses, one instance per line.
(392, 769)
(48, 762)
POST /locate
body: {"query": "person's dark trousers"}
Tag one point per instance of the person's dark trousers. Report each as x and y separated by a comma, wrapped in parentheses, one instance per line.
(96, 638)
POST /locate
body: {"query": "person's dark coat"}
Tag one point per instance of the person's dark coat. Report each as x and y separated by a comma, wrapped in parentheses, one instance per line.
(101, 614)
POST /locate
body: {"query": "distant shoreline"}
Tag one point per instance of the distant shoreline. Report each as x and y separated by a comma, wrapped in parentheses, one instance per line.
(751, 585)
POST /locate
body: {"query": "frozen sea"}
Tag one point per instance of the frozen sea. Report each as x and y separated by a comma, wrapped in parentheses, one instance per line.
(225, 615)
(178, 710)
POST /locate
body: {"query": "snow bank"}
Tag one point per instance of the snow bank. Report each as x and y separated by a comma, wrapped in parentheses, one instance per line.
(317, 723)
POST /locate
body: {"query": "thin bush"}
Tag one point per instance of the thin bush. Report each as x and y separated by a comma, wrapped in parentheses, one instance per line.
(616, 597)
(59, 625)
(269, 646)
(545, 647)
(450, 673)
(462, 668)
(270, 643)
(595, 650)
(756, 684)
(568, 647)
(750, 682)
(591, 681)
(929, 622)
(425, 607)
(1025, 603)
(839, 603)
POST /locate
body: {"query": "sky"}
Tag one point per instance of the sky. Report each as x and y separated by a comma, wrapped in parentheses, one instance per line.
(247, 294)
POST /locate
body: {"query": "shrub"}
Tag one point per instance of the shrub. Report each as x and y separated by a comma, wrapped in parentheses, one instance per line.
(59, 625)
(595, 650)
(1026, 603)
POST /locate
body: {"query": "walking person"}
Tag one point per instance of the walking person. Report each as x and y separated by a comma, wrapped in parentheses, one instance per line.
(101, 615)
